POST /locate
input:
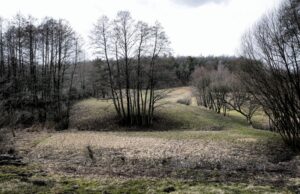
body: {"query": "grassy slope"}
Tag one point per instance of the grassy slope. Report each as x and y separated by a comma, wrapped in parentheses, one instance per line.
(177, 121)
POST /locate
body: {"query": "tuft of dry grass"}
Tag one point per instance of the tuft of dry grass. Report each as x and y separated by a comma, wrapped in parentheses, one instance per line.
(180, 93)
(185, 101)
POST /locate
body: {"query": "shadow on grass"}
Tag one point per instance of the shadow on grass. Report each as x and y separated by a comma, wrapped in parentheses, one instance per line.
(161, 122)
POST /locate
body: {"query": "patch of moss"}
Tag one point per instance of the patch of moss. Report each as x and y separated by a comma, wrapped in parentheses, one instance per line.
(7, 177)
(174, 186)
(40, 140)
(19, 170)
(14, 183)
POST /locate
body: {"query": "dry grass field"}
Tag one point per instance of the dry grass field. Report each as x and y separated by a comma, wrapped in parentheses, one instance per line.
(188, 150)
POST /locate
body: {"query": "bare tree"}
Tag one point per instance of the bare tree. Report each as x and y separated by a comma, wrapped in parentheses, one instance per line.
(241, 100)
(201, 80)
(131, 51)
(272, 74)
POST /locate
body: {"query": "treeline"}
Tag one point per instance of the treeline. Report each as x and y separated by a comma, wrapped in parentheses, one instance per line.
(183, 67)
(92, 76)
(35, 70)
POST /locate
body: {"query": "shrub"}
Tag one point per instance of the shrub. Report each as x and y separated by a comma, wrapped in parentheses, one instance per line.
(186, 101)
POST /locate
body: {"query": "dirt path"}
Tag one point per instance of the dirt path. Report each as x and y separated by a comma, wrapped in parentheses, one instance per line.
(182, 93)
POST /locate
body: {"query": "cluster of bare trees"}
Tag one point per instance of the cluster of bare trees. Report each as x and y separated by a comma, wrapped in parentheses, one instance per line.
(220, 89)
(131, 51)
(212, 87)
(273, 73)
(37, 65)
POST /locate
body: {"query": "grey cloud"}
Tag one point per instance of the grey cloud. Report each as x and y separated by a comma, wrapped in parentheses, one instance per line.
(197, 3)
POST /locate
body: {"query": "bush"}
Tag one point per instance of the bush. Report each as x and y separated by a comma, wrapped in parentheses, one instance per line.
(4, 120)
(24, 118)
(62, 122)
(6, 146)
(186, 101)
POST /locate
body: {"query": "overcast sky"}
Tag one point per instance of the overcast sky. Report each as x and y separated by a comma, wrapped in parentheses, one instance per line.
(194, 27)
